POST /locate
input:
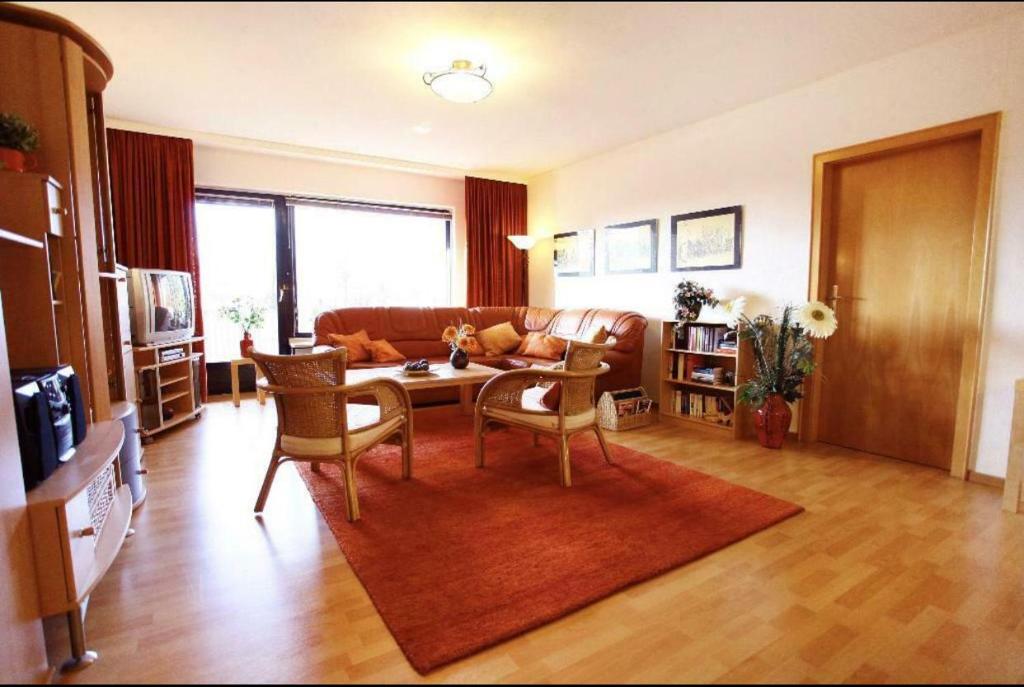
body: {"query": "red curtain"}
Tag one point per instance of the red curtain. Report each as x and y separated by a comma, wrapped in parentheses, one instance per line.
(496, 269)
(152, 193)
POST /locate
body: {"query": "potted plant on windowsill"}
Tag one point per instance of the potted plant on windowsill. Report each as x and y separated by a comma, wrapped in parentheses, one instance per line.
(783, 357)
(247, 314)
(17, 137)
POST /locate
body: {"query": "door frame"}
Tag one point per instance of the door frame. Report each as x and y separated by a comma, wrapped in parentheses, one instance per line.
(985, 126)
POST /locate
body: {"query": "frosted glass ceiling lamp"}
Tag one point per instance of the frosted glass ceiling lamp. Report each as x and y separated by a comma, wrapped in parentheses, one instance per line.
(523, 242)
(462, 83)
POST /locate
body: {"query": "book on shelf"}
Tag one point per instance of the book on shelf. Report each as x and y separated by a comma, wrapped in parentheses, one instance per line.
(710, 408)
(708, 375)
(704, 338)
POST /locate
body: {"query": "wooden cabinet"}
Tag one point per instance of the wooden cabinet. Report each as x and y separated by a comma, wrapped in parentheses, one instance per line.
(168, 388)
(79, 518)
(56, 274)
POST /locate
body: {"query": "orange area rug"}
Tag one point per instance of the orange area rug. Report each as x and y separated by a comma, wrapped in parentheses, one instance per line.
(458, 559)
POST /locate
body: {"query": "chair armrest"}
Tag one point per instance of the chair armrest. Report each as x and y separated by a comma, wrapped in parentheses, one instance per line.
(392, 397)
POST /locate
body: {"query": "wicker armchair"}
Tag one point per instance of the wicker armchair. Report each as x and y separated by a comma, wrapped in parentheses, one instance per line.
(513, 399)
(317, 424)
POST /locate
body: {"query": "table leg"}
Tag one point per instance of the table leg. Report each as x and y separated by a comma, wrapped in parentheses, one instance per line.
(466, 399)
(261, 395)
(236, 397)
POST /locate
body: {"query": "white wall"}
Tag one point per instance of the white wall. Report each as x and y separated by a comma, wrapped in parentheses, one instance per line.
(217, 167)
(759, 156)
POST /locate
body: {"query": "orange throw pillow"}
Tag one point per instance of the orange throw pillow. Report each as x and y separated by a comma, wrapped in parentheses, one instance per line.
(355, 343)
(541, 345)
(474, 347)
(501, 338)
(383, 352)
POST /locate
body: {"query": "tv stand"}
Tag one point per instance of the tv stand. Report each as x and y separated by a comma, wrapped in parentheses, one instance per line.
(168, 389)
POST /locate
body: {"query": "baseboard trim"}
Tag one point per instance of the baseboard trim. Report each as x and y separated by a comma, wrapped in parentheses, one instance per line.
(987, 480)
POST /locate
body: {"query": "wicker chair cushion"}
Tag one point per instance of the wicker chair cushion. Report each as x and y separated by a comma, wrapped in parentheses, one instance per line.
(363, 430)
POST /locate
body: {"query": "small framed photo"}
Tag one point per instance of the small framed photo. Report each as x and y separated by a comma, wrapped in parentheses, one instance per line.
(631, 247)
(574, 253)
(708, 240)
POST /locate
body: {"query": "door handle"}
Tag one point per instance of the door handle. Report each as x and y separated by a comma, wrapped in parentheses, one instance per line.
(281, 292)
(835, 297)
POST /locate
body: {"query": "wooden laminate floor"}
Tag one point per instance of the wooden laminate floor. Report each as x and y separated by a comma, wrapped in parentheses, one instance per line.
(895, 573)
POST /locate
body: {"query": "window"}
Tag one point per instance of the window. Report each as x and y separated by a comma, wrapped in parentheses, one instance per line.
(349, 256)
(237, 239)
(302, 256)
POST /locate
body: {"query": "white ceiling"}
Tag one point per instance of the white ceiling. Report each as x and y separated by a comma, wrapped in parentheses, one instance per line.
(571, 79)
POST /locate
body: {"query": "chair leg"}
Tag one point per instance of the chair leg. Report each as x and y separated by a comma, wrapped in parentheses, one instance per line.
(565, 470)
(261, 500)
(604, 445)
(478, 438)
(407, 451)
(351, 495)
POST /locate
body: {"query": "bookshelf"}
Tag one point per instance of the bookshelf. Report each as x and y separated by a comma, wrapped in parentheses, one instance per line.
(713, 405)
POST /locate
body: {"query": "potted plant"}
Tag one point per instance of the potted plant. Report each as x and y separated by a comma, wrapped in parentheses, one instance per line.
(17, 137)
(690, 297)
(783, 357)
(458, 338)
(247, 314)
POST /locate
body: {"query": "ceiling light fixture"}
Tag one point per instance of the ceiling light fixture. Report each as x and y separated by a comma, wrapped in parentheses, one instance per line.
(462, 83)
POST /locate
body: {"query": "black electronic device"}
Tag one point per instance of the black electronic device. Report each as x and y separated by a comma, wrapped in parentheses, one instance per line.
(50, 416)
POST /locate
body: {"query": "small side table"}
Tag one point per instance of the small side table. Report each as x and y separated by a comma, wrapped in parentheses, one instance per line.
(301, 345)
(236, 396)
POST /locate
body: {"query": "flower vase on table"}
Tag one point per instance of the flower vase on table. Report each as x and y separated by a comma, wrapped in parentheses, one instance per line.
(460, 339)
(245, 345)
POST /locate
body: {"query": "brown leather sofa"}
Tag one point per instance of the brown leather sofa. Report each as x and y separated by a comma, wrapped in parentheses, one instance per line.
(416, 333)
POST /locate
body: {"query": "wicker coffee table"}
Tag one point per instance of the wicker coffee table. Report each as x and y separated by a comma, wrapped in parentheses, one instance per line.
(442, 375)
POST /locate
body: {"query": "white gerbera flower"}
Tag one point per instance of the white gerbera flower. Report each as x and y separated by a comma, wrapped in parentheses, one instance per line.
(734, 309)
(817, 319)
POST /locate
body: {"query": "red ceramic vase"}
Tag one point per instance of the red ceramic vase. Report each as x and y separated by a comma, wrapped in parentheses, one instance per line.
(11, 159)
(245, 345)
(772, 421)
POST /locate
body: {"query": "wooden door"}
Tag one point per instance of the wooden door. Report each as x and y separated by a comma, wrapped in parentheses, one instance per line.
(901, 227)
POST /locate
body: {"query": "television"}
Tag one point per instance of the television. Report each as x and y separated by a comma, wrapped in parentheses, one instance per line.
(161, 304)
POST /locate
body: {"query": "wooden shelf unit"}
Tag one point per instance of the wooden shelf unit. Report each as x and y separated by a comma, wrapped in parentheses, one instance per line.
(56, 254)
(676, 357)
(166, 387)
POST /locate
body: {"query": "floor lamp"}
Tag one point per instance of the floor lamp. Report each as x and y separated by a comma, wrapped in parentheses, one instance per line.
(525, 243)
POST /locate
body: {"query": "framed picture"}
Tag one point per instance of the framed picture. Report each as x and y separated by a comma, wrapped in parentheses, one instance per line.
(574, 253)
(631, 247)
(709, 240)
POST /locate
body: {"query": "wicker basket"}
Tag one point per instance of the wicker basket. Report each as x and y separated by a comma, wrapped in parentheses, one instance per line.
(608, 416)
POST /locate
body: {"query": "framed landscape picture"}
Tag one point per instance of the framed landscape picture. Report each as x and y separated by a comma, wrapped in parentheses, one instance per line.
(631, 247)
(574, 253)
(708, 240)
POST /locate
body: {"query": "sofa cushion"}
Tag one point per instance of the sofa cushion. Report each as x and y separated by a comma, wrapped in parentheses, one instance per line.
(383, 352)
(541, 345)
(501, 338)
(356, 345)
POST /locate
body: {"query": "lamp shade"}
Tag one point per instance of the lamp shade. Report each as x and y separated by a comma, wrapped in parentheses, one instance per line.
(523, 242)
